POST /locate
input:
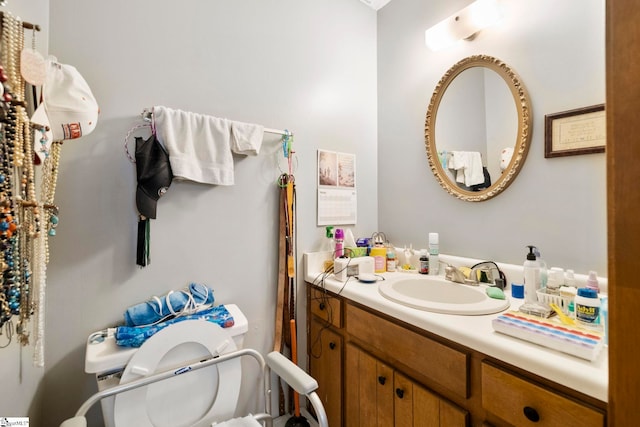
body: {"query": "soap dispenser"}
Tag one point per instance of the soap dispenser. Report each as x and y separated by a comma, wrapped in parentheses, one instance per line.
(531, 269)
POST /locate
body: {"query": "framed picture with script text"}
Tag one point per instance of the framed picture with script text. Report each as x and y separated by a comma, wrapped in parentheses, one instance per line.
(573, 132)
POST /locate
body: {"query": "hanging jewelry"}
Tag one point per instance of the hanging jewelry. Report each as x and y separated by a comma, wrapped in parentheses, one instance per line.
(48, 190)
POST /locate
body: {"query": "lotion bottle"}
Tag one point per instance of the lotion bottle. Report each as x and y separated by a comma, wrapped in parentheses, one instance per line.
(531, 277)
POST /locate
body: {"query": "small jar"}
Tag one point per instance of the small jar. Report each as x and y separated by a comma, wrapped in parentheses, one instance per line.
(391, 260)
(424, 263)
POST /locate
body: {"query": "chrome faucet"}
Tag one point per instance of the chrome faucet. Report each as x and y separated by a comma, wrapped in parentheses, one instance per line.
(488, 268)
(491, 272)
(454, 274)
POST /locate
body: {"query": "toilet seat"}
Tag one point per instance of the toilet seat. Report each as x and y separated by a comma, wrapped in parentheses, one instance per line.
(177, 345)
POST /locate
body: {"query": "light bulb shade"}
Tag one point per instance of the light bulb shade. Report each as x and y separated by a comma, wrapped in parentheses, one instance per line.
(463, 25)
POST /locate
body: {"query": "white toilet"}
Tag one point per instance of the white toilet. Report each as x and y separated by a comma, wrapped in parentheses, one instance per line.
(186, 400)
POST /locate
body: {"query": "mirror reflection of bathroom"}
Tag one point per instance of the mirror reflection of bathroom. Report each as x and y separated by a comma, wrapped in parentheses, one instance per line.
(480, 99)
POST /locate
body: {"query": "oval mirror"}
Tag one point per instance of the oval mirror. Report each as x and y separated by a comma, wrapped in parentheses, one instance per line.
(477, 130)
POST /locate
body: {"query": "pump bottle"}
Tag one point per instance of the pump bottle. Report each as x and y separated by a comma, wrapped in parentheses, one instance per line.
(531, 277)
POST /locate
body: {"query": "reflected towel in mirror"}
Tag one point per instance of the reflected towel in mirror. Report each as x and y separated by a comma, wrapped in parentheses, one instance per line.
(468, 165)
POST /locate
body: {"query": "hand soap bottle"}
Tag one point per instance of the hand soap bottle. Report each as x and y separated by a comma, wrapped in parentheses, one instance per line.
(531, 276)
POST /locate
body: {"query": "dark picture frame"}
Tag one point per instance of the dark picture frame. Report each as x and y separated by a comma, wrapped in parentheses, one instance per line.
(574, 132)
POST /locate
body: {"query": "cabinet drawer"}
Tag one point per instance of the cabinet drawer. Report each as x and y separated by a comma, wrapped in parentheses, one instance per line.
(443, 364)
(326, 307)
(523, 403)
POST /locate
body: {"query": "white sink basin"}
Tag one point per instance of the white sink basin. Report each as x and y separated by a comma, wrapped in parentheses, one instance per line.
(441, 296)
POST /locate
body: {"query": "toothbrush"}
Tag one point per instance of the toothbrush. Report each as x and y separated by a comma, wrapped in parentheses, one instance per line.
(563, 317)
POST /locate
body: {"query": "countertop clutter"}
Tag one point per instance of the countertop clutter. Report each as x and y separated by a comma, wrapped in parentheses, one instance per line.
(476, 331)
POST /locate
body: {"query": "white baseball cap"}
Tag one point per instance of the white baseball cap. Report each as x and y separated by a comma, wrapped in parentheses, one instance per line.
(68, 107)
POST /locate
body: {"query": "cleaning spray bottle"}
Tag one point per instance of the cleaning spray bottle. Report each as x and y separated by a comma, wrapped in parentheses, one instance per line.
(531, 277)
(328, 246)
(338, 237)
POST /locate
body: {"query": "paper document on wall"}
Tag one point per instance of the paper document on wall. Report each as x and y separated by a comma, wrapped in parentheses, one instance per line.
(337, 193)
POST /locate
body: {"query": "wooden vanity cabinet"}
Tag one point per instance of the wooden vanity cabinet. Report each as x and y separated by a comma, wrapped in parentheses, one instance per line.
(376, 371)
(325, 349)
(376, 395)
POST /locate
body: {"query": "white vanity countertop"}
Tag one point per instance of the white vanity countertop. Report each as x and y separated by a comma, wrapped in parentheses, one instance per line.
(475, 332)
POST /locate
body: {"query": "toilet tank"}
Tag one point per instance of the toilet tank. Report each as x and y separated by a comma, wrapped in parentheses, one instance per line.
(107, 360)
(104, 356)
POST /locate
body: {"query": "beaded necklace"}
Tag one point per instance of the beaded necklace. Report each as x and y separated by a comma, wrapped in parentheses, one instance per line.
(19, 211)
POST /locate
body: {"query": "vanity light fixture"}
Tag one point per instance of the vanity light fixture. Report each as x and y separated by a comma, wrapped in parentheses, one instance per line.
(463, 25)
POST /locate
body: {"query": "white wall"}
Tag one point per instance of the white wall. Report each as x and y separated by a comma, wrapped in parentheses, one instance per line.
(302, 65)
(559, 204)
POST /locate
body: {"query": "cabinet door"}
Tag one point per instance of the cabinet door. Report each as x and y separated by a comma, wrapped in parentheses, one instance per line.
(415, 406)
(368, 390)
(452, 415)
(360, 388)
(325, 365)
(384, 395)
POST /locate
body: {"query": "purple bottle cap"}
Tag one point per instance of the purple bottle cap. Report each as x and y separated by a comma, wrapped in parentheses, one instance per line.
(339, 233)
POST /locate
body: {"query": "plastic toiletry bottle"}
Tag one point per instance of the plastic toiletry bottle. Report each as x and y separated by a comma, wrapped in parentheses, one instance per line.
(543, 269)
(379, 254)
(391, 259)
(531, 269)
(592, 281)
(569, 278)
(587, 306)
(339, 243)
(328, 246)
(434, 254)
(555, 280)
(424, 262)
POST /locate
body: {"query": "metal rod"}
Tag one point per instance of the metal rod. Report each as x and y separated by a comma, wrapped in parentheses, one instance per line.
(168, 374)
(147, 115)
(27, 25)
(277, 132)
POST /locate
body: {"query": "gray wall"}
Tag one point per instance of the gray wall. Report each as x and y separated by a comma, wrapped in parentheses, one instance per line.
(558, 204)
(303, 65)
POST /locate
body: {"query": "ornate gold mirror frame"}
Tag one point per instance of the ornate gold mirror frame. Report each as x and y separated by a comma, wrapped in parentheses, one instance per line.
(523, 138)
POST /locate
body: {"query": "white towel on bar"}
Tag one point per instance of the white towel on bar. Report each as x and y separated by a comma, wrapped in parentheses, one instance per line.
(200, 147)
(246, 138)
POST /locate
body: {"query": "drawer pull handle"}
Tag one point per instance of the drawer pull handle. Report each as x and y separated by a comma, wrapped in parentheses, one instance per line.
(382, 380)
(531, 414)
(321, 306)
(332, 345)
(400, 393)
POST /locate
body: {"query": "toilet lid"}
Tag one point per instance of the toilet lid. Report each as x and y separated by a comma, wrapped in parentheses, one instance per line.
(184, 400)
